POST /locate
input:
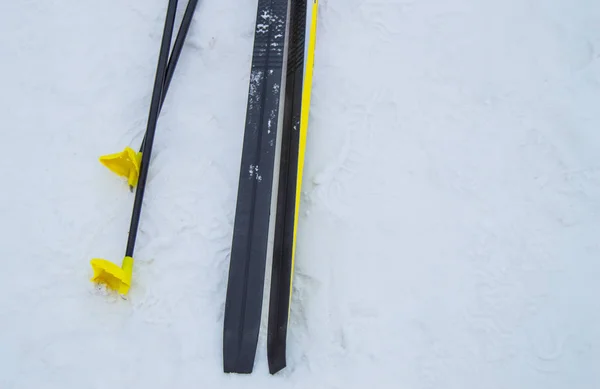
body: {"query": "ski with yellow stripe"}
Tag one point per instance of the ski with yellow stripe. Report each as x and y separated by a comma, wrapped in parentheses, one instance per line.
(300, 61)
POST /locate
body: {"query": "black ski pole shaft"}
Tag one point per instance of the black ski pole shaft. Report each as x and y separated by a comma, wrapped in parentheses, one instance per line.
(176, 52)
(152, 120)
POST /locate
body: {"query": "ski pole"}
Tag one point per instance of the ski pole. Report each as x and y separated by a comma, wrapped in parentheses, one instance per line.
(127, 162)
(115, 277)
(176, 52)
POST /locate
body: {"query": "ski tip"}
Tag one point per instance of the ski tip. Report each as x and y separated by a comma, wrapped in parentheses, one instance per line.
(236, 370)
(125, 164)
(276, 350)
(276, 357)
(275, 366)
(232, 366)
(237, 361)
(115, 277)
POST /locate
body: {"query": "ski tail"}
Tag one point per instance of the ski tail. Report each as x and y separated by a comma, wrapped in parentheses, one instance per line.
(243, 302)
(303, 19)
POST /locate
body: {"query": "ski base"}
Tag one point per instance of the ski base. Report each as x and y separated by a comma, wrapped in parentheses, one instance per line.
(251, 226)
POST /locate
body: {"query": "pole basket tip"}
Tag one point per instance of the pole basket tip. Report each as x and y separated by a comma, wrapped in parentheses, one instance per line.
(115, 277)
(125, 164)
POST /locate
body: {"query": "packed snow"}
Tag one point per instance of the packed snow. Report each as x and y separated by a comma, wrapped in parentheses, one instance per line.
(449, 235)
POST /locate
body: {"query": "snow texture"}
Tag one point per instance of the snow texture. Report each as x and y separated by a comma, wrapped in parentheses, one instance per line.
(450, 207)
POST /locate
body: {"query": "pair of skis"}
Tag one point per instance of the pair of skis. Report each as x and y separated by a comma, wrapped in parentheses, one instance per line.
(134, 166)
(272, 53)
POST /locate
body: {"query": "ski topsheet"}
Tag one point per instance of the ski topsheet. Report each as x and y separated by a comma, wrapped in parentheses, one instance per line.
(251, 226)
(300, 60)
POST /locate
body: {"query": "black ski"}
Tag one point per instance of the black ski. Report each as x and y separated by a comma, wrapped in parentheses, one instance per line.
(244, 297)
(279, 301)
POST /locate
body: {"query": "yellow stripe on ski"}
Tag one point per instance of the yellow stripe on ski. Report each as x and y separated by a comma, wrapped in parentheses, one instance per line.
(304, 111)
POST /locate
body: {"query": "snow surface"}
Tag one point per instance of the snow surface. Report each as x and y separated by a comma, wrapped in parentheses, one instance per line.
(450, 214)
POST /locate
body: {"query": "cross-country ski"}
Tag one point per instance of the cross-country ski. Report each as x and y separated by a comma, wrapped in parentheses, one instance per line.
(285, 194)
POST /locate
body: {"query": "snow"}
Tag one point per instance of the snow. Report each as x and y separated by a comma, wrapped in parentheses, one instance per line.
(450, 209)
